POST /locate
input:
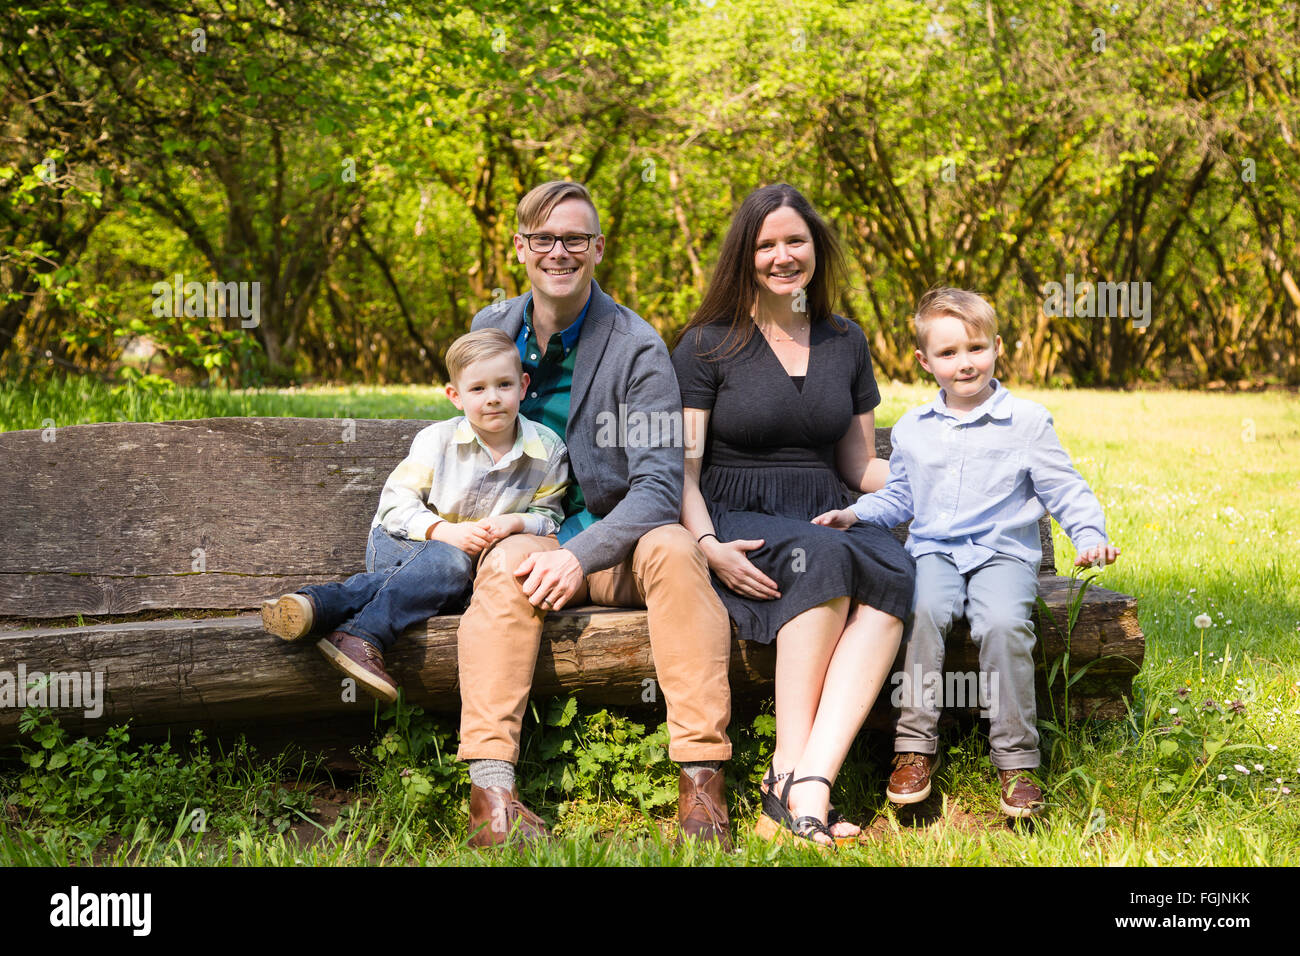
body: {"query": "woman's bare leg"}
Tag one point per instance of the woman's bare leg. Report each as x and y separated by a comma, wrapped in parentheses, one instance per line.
(804, 649)
(853, 679)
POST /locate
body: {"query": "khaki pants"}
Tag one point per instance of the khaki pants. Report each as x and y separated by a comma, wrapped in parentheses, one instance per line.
(690, 639)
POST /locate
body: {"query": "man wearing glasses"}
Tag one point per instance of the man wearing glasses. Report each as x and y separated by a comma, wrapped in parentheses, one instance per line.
(621, 544)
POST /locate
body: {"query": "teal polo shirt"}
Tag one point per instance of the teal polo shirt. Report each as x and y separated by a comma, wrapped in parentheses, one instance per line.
(547, 399)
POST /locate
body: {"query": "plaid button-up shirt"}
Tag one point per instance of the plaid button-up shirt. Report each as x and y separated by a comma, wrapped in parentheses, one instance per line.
(449, 475)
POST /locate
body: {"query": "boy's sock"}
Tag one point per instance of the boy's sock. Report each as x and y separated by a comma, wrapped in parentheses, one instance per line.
(694, 768)
(492, 773)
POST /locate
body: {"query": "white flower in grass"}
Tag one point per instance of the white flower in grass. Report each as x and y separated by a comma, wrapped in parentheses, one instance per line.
(1223, 776)
(1259, 767)
(1173, 710)
(1239, 768)
(1203, 621)
(1272, 746)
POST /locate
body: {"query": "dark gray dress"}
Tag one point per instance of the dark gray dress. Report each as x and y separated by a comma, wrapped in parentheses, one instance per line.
(769, 468)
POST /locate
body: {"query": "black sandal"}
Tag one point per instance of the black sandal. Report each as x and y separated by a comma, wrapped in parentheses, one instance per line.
(771, 804)
(778, 811)
(770, 801)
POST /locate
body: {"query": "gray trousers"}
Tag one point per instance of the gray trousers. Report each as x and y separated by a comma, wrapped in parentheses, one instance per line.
(997, 598)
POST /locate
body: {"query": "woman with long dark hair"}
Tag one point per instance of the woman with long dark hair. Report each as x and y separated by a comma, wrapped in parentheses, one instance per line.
(779, 394)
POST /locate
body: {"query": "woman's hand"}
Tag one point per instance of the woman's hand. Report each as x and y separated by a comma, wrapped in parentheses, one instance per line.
(729, 562)
(841, 518)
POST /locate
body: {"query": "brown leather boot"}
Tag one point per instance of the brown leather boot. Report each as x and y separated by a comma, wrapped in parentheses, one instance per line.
(910, 781)
(496, 816)
(361, 661)
(702, 807)
(1021, 796)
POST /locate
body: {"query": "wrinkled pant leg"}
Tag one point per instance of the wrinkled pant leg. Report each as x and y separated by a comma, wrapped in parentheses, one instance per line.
(422, 579)
(690, 636)
(1001, 594)
(496, 650)
(335, 602)
(918, 691)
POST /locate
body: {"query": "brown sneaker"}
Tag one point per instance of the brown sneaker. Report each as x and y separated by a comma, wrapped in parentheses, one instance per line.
(910, 781)
(361, 661)
(702, 807)
(291, 616)
(496, 816)
(1021, 796)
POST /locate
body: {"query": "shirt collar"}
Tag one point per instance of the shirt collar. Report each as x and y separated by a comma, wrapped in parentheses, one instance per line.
(996, 406)
(527, 440)
(569, 336)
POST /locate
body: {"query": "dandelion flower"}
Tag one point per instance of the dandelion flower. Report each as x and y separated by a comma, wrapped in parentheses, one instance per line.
(1203, 621)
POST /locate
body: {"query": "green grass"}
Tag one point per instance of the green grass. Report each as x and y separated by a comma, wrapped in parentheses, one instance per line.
(1205, 517)
(81, 401)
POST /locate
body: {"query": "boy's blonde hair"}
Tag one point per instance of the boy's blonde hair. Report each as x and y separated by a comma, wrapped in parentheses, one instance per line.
(476, 346)
(972, 308)
(535, 207)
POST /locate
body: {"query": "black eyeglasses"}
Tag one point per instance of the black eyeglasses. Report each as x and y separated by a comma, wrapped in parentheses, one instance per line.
(545, 242)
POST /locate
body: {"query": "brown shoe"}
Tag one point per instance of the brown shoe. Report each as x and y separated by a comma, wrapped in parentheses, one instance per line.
(910, 781)
(702, 807)
(1021, 796)
(290, 616)
(496, 816)
(361, 661)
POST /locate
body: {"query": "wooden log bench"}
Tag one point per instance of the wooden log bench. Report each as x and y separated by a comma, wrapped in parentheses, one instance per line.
(119, 521)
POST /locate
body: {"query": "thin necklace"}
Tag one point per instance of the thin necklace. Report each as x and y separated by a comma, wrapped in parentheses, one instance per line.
(787, 338)
(773, 337)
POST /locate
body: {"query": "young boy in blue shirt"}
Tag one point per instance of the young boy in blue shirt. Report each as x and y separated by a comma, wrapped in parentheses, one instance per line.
(974, 469)
(467, 483)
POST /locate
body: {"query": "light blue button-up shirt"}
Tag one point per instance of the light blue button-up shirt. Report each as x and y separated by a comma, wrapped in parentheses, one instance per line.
(975, 483)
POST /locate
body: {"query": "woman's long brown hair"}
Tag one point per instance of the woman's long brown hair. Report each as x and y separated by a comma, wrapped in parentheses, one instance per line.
(733, 289)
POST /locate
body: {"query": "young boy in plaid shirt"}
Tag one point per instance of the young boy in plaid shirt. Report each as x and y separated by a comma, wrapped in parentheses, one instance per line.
(467, 483)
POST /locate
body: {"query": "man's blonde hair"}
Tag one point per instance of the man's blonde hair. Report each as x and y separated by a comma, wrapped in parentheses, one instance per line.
(476, 346)
(971, 307)
(534, 208)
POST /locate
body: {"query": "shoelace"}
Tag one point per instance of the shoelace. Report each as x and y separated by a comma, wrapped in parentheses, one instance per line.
(710, 808)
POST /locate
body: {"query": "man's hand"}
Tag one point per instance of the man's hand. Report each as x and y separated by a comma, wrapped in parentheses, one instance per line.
(1101, 555)
(842, 518)
(502, 526)
(469, 536)
(550, 578)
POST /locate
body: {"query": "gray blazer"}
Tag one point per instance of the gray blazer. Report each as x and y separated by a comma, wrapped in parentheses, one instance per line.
(625, 426)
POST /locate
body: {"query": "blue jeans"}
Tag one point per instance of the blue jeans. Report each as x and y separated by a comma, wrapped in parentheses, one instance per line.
(405, 582)
(998, 599)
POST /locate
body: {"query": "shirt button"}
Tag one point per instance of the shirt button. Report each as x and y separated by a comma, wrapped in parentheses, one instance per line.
(533, 356)
(534, 395)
